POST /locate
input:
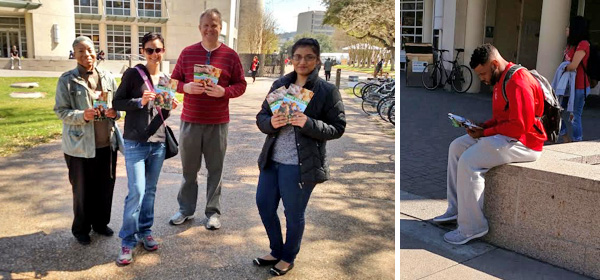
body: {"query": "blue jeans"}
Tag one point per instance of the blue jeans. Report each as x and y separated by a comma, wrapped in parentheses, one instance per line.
(280, 181)
(143, 162)
(577, 128)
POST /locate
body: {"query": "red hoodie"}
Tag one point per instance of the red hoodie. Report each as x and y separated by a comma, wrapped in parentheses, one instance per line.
(526, 101)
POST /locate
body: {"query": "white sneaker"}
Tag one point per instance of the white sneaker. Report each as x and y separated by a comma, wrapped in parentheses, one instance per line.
(458, 238)
(12, 67)
(213, 223)
(179, 218)
(446, 217)
(20, 68)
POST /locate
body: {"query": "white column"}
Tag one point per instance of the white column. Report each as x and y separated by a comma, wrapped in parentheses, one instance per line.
(428, 21)
(555, 18)
(474, 35)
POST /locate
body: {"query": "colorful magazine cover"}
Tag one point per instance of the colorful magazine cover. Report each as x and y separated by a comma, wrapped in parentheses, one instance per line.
(275, 98)
(100, 105)
(296, 99)
(165, 94)
(206, 74)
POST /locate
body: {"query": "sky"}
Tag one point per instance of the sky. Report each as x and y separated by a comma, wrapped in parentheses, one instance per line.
(286, 11)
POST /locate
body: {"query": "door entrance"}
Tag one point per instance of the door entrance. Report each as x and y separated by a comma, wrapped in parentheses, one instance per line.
(9, 38)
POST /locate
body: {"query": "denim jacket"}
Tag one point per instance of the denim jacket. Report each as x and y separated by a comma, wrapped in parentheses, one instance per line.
(72, 97)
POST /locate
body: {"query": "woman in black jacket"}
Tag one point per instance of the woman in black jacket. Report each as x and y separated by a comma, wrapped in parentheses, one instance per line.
(293, 159)
(144, 145)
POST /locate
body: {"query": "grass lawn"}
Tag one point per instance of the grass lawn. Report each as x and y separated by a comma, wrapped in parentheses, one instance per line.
(27, 122)
(365, 70)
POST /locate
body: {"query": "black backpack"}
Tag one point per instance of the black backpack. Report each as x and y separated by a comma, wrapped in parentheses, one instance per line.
(551, 118)
(593, 69)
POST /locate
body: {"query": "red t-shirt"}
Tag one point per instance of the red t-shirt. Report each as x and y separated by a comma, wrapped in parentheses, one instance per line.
(580, 79)
(201, 108)
(526, 101)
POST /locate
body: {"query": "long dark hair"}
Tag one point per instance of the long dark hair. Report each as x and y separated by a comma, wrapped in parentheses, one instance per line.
(578, 31)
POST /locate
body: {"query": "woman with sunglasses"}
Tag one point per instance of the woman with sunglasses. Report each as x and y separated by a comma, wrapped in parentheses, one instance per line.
(144, 145)
(293, 159)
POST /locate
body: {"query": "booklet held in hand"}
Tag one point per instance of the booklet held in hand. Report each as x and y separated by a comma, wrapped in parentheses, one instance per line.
(458, 121)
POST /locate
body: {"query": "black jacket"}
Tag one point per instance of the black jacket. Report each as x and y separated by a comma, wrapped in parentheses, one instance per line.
(140, 123)
(326, 121)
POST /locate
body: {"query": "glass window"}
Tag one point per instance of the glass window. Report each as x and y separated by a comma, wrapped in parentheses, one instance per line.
(143, 30)
(116, 35)
(118, 7)
(86, 6)
(14, 28)
(411, 20)
(89, 30)
(149, 8)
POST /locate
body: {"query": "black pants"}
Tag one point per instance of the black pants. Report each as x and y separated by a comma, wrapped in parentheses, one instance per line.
(93, 182)
(327, 75)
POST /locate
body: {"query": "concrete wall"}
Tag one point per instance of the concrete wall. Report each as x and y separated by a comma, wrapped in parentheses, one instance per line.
(42, 20)
(251, 12)
(506, 39)
(304, 23)
(529, 33)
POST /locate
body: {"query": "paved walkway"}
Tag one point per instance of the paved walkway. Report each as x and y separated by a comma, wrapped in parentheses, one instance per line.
(350, 219)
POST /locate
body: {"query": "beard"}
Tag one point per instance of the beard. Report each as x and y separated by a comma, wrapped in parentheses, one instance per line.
(495, 76)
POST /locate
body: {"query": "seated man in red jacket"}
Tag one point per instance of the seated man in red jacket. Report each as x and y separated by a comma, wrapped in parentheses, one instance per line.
(509, 136)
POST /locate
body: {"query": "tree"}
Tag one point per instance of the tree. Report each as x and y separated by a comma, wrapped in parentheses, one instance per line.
(324, 42)
(269, 40)
(364, 19)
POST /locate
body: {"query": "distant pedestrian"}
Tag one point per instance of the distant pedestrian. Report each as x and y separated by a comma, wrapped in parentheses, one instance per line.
(378, 68)
(254, 67)
(14, 56)
(71, 55)
(327, 67)
(293, 159)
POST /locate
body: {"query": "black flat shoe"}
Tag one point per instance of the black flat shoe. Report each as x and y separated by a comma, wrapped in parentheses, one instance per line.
(279, 272)
(106, 231)
(263, 262)
(83, 239)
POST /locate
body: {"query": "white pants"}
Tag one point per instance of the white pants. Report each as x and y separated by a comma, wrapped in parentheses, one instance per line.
(468, 160)
(12, 61)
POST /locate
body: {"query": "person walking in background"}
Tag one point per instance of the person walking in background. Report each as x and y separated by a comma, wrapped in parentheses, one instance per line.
(254, 67)
(327, 68)
(90, 147)
(378, 68)
(145, 138)
(293, 158)
(71, 55)
(14, 56)
(205, 118)
(577, 53)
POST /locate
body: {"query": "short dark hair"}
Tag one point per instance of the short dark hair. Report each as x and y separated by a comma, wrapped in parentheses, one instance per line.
(308, 42)
(151, 36)
(481, 55)
(578, 31)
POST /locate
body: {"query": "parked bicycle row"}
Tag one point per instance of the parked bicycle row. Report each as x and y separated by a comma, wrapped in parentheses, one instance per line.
(378, 98)
(435, 75)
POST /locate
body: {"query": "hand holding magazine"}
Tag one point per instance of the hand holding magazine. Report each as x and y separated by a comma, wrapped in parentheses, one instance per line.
(206, 74)
(165, 94)
(458, 121)
(287, 101)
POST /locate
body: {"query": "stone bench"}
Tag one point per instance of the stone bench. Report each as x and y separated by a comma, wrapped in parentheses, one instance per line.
(549, 209)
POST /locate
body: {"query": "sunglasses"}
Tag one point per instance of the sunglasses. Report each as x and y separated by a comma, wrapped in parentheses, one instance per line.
(151, 50)
(208, 58)
(308, 58)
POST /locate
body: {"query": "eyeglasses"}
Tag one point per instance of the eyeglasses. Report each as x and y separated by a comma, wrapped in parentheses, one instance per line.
(208, 58)
(307, 58)
(151, 50)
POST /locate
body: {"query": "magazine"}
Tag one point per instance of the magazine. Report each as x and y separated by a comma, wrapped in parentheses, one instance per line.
(165, 94)
(206, 74)
(287, 101)
(458, 121)
(100, 105)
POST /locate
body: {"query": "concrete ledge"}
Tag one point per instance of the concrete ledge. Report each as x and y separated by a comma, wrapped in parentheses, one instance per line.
(549, 209)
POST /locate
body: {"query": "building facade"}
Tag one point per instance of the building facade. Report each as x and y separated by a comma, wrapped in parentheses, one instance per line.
(312, 22)
(528, 32)
(45, 29)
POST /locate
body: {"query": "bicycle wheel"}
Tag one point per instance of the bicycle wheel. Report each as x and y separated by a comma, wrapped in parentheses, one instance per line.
(431, 77)
(357, 89)
(368, 90)
(462, 77)
(392, 113)
(384, 106)
(369, 103)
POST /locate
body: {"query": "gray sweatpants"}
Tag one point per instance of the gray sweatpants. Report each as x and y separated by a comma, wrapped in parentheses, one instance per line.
(195, 141)
(468, 160)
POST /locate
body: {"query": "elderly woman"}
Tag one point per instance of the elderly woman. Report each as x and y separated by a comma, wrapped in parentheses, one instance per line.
(88, 140)
(293, 159)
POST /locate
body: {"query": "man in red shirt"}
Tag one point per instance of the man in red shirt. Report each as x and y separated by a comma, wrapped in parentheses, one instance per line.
(513, 134)
(205, 117)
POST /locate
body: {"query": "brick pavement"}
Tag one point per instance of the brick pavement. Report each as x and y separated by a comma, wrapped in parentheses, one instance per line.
(426, 133)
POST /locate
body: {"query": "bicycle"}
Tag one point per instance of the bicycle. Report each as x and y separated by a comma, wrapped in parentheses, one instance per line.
(460, 77)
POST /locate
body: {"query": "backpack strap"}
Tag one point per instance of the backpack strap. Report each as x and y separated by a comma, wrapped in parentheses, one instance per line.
(507, 77)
